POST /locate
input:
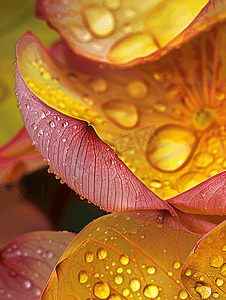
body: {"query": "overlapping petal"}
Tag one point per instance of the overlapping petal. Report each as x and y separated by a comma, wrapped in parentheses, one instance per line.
(124, 255)
(27, 262)
(18, 157)
(204, 271)
(127, 32)
(165, 120)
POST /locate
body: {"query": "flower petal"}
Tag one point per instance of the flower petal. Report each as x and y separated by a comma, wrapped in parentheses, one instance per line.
(165, 120)
(204, 271)
(124, 33)
(206, 198)
(128, 254)
(27, 262)
(17, 157)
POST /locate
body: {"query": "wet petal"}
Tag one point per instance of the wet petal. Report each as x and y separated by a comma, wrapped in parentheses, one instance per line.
(17, 157)
(76, 154)
(129, 254)
(204, 271)
(207, 198)
(27, 262)
(176, 104)
(122, 32)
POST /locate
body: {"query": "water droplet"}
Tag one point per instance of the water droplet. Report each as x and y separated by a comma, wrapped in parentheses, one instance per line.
(125, 292)
(27, 284)
(201, 278)
(183, 294)
(223, 248)
(151, 291)
(119, 270)
(133, 231)
(151, 270)
(124, 259)
(80, 33)
(155, 184)
(99, 21)
(101, 253)
(131, 47)
(215, 295)
(52, 124)
(176, 265)
(134, 285)
(203, 290)
(98, 85)
(160, 107)
(216, 261)
(83, 276)
(123, 114)
(219, 282)
(170, 273)
(223, 270)
(170, 147)
(209, 240)
(88, 256)
(203, 159)
(45, 75)
(188, 272)
(118, 279)
(101, 290)
(137, 89)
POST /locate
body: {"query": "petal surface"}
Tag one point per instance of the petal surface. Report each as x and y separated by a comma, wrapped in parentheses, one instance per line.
(125, 32)
(17, 157)
(207, 198)
(165, 120)
(132, 254)
(27, 262)
(204, 271)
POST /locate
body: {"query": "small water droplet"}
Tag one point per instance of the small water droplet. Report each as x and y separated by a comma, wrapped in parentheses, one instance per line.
(124, 259)
(223, 270)
(151, 270)
(137, 89)
(151, 291)
(119, 270)
(188, 272)
(125, 292)
(183, 294)
(101, 290)
(83, 276)
(118, 279)
(176, 265)
(88, 256)
(219, 282)
(27, 284)
(134, 284)
(101, 253)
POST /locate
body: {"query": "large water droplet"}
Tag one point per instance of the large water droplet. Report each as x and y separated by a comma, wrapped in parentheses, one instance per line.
(203, 290)
(101, 253)
(99, 21)
(101, 290)
(216, 261)
(88, 256)
(83, 276)
(124, 259)
(123, 114)
(151, 291)
(134, 285)
(132, 47)
(170, 147)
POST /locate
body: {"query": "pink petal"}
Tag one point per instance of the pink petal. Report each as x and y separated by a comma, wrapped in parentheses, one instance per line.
(27, 262)
(209, 197)
(79, 157)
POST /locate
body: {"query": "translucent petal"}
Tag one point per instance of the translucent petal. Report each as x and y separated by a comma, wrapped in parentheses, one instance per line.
(27, 262)
(133, 254)
(204, 271)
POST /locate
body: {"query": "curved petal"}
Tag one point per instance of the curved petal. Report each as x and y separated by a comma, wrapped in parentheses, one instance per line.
(209, 197)
(204, 271)
(127, 32)
(27, 262)
(75, 153)
(124, 256)
(17, 157)
(165, 120)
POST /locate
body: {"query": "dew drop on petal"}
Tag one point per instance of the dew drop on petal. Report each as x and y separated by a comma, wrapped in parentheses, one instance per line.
(183, 294)
(88, 256)
(203, 290)
(118, 279)
(123, 114)
(101, 253)
(134, 285)
(99, 21)
(137, 89)
(216, 261)
(83, 276)
(151, 291)
(151, 270)
(101, 290)
(124, 259)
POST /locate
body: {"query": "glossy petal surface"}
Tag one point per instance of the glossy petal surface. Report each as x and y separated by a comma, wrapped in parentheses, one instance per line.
(204, 271)
(133, 254)
(17, 157)
(165, 120)
(27, 262)
(124, 32)
(75, 153)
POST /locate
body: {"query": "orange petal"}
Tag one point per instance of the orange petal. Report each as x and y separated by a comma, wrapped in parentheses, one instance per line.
(27, 262)
(17, 157)
(165, 120)
(204, 271)
(124, 33)
(72, 148)
(122, 256)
